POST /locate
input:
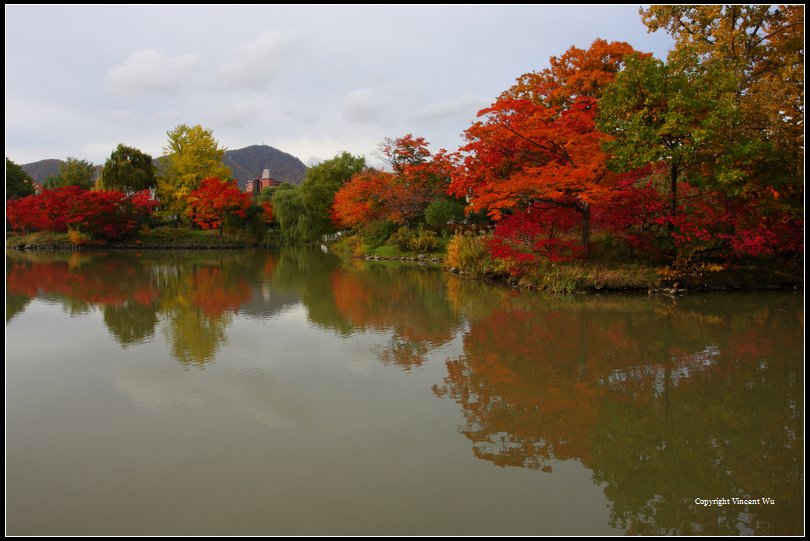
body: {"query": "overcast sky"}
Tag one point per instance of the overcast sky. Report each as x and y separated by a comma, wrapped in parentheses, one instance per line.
(311, 81)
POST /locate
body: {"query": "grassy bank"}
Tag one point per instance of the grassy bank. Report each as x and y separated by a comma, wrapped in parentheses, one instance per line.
(608, 269)
(157, 238)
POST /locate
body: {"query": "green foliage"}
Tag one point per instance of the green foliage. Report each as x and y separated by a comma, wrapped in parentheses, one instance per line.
(73, 172)
(444, 211)
(402, 238)
(289, 211)
(417, 241)
(304, 213)
(19, 184)
(266, 194)
(318, 192)
(376, 233)
(192, 154)
(128, 170)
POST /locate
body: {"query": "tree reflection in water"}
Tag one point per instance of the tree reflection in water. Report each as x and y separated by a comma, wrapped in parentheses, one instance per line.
(664, 401)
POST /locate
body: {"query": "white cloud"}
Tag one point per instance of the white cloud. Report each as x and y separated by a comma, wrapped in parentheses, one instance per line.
(153, 72)
(235, 115)
(126, 116)
(467, 105)
(255, 65)
(367, 106)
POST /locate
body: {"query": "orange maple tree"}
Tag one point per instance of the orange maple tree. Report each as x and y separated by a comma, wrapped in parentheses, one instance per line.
(537, 145)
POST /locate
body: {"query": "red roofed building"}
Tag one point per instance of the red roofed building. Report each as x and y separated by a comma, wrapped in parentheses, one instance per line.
(256, 185)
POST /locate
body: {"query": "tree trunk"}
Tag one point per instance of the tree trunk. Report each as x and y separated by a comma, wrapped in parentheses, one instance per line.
(585, 211)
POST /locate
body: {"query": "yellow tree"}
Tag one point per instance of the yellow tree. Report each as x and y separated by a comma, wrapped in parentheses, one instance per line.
(191, 155)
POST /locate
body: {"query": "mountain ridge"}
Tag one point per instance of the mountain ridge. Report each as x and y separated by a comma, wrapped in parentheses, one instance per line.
(245, 163)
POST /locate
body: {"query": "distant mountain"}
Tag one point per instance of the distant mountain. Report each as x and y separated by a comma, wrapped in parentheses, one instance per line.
(246, 163)
(42, 169)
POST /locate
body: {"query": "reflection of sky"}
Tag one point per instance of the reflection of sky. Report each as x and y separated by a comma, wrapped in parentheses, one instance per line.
(683, 367)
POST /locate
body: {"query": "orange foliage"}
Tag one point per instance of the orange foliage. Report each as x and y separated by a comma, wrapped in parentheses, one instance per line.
(214, 295)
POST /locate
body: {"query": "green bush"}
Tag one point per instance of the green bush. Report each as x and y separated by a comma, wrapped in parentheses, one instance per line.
(402, 239)
(441, 212)
(375, 234)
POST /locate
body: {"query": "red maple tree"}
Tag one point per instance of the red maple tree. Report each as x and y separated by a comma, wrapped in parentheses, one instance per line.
(215, 201)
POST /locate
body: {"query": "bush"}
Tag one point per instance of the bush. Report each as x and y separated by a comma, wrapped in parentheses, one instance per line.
(375, 234)
(425, 241)
(470, 254)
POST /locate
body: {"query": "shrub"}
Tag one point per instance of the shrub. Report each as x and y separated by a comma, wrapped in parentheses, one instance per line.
(470, 254)
(375, 234)
(425, 241)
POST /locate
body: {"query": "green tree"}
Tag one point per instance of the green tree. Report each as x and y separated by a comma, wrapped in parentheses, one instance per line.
(73, 172)
(192, 154)
(663, 112)
(318, 192)
(288, 209)
(441, 212)
(760, 48)
(19, 184)
(128, 170)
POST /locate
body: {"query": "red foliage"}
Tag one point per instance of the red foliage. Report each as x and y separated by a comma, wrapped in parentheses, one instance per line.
(705, 225)
(419, 177)
(267, 212)
(362, 199)
(214, 201)
(532, 235)
(109, 215)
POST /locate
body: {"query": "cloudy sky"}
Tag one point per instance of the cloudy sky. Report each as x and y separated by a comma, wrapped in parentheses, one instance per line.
(311, 81)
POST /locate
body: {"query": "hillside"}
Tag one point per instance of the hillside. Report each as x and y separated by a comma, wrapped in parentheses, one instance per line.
(42, 169)
(246, 163)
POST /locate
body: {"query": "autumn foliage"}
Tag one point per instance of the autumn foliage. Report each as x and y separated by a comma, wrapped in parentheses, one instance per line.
(109, 215)
(402, 196)
(214, 201)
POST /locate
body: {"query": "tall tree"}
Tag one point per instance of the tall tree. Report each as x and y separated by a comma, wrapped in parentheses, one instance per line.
(288, 209)
(420, 177)
(662, 112)
(192, 154)
(318, 192)
(537, 145)
(128, 170)
(19, 184)
(73, 172)
(760, 48)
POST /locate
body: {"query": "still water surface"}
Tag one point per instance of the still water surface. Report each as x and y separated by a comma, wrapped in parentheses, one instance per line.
(291, 393)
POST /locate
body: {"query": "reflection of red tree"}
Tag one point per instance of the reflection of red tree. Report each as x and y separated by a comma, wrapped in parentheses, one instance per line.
(388, 305)
(214, 295)
(269, 266)
(88, 285)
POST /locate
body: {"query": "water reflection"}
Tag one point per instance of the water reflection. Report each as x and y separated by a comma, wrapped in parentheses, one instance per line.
(192, 296)
(663, 400)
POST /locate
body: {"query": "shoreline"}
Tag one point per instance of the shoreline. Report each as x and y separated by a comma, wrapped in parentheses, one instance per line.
(583, 278)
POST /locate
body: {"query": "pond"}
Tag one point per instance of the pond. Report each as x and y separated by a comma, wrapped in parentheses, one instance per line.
(289, 392)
